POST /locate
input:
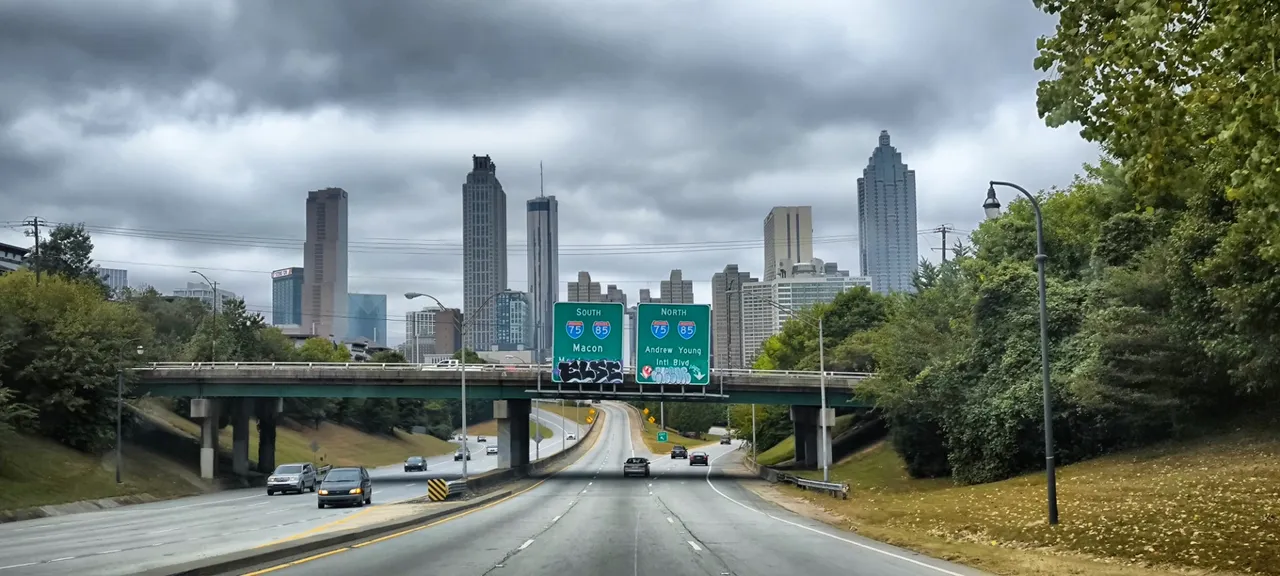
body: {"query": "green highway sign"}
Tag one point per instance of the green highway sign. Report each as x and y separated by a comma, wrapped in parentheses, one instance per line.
(587, 346)
(673, 344)
(662, 436)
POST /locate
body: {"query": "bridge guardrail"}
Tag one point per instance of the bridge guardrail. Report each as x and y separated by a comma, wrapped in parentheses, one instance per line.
(470, 367)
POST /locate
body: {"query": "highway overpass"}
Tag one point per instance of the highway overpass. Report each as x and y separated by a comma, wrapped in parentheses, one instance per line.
(254, 391)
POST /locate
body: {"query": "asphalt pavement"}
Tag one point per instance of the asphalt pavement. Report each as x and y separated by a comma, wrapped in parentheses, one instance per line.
(130, 539)
(588, 520)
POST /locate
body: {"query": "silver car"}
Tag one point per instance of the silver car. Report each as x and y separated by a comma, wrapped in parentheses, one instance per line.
(298, 477)
(635, 466)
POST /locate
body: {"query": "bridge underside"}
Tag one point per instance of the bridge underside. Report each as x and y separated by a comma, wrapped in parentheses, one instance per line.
(489, 391)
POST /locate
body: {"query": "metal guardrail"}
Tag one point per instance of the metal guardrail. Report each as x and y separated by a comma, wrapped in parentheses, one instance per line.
(526, 368)
(837, 489)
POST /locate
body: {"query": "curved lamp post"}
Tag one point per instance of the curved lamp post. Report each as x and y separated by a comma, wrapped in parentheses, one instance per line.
(992, 208)
(462, 333)
(120, 407)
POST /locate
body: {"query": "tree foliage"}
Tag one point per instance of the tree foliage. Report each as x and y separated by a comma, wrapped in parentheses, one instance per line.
(67, 251)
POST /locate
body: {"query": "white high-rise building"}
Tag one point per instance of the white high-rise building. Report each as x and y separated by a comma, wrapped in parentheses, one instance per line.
(204, 293)
(788, 239)
(543, 226)
(888, 243)
(484, 251)
(324, 280)
(814, 282)
(420, 334)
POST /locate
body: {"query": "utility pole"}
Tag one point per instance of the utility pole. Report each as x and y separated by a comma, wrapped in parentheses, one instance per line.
(943, 229)
(34, 223)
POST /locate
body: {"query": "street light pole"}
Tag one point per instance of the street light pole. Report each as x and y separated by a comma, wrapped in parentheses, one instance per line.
(120, 413)
(992, 209)
(462, 363)
(214, 328)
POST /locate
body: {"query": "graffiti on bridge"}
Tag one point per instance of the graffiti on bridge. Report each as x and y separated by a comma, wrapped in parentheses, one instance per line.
(590, 371)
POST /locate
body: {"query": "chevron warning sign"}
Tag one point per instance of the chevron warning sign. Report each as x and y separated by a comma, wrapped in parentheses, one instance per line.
(437, 489)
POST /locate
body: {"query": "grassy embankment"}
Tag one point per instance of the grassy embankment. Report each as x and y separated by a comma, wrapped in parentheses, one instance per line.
(336, 445)
(650, 434)
(1206, 506)
(37, 472)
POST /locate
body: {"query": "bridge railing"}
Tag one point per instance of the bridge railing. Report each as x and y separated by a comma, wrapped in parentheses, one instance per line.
(402, 367)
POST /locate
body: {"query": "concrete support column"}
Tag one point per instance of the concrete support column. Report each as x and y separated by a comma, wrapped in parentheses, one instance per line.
(268, 414)
(241, 408)
(513, 433)
(805, 427)
(206, 409)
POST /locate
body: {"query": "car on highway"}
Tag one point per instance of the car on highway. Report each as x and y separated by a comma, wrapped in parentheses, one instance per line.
(679, 452)
(459, 453)
(635, 466)
(491, 450)
(415, 464)
(699, 458)
(348, 485)
(725, 440)
(298, 477)
(480, 439)
(570, 436)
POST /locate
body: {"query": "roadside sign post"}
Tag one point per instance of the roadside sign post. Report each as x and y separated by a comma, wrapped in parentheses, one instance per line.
(587, 347)
(673, 344)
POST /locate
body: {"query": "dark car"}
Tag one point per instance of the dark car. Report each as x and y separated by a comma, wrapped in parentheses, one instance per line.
(679, 452)
(635, 466)
(458, 454)
(699, 458)
(347, 486)
(415, 464)
(725, 439)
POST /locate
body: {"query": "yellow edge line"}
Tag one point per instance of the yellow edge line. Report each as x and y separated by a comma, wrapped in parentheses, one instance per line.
(402, 532)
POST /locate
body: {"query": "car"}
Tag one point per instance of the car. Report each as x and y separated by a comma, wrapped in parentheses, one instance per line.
(480, 439)
(595, 401)
(679, 452)
(491, 450)
(458, 454)
(415, 464)
(345, 486)
(726, 440)
(635, 466)
(298, 477)
(570, 436)
(699, 458)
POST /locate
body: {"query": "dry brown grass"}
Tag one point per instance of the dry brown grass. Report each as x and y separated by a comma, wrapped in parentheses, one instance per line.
(1211, 506)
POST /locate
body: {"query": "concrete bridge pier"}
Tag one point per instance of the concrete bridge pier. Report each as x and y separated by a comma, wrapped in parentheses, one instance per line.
(804, 425)
(268, 410)
(241, 409)
(513, 432)
(206, 409)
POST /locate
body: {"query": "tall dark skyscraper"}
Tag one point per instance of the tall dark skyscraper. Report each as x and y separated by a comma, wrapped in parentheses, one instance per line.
(324, 287)
(887, 237)
(286, 296)
(543, 226)
(484, 251)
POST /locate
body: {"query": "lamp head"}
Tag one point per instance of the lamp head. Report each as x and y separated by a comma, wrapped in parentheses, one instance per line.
(992, 205)
(412, 295)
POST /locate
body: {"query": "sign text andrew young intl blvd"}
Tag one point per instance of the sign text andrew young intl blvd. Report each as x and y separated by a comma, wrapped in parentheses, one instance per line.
(587, 346)
(673, 343)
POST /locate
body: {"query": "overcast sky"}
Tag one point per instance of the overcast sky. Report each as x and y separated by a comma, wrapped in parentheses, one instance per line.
(186, 133)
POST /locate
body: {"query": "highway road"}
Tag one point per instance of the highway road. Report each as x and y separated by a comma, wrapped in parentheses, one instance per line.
(133, 538)
(588, 520)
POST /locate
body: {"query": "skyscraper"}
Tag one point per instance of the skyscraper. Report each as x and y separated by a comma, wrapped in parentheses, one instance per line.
(324, 284)
(788, 238)
(286, 296)
(887, 220)
(543, 227)
(584, 290)
(420, 334)
(677, 290)
(513, 326)
(726, 316)
(368, 317)
(484, 251)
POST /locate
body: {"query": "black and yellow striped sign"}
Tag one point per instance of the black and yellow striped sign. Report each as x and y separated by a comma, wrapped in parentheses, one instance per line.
(437, 489)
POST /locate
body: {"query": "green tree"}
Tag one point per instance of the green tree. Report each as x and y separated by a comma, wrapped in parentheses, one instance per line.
(472, 357)
(68, 252)
(388, 357)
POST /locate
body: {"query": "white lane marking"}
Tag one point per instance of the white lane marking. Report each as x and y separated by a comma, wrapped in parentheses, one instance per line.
(670, 521)
(18, 565)
(211, 503)
(696, 547)
(165, 531)
(556, 519)
(822, 533)
(526, 543)
(61, 559)
(107, 552)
